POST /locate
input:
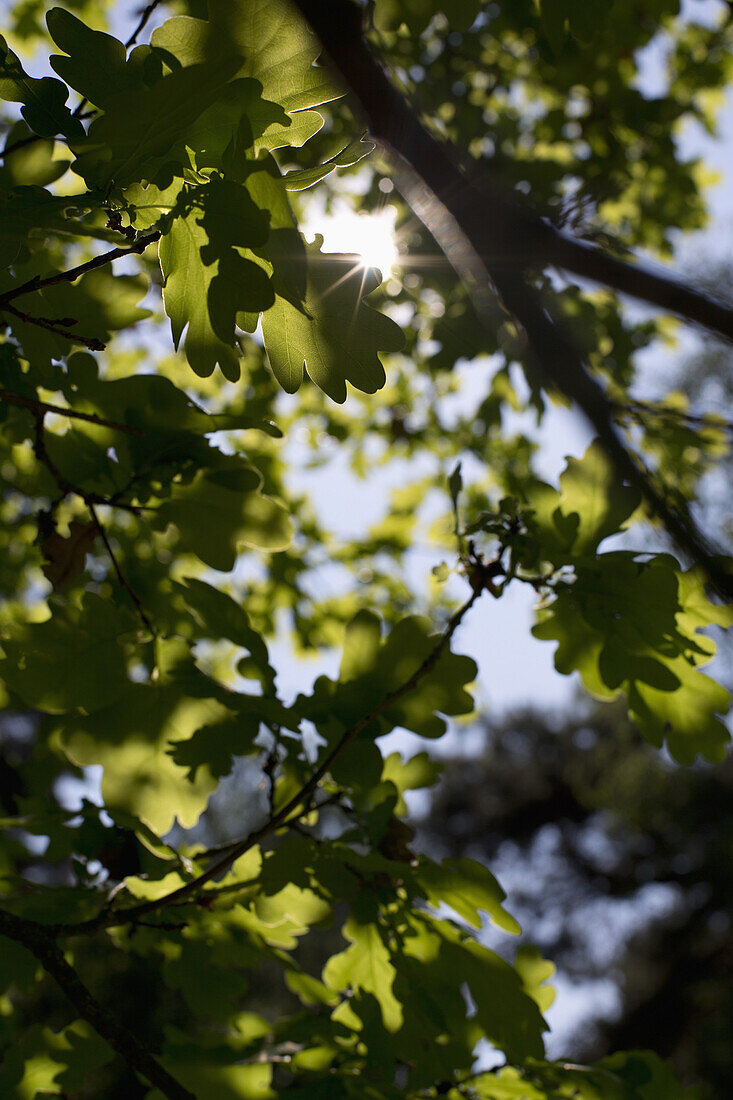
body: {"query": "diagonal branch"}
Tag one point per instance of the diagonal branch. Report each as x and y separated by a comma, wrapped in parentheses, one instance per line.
(50, 324)
(287, 813)
(124, 583)
(37, 283)
(43, 406)
(497, 240)
(36, 939)
(142, 23)
(504, 231)
(23, 143)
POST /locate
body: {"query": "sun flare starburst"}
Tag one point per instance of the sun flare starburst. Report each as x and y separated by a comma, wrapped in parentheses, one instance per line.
(371, 237)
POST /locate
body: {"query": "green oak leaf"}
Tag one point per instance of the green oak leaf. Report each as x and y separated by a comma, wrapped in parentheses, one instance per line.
(132, 740)
(591, 489)
(632, 626)
(220, 616)
(76, 658)
(215, 745)
(429, 964)
(45, 1062)
(334, 335)
(206, 281)
(229, 217)
(44, 101)
(417, 772)
(372, 667)
(467, 887)
(511, 1084)
(646, 1074)
(134, 137)
(592, 504)
(229, 131)
(97, 65)
(300, 179)
(274, 46)
(507, 1014)
(34, 164)
(239, 286)
(220, 510)
(154, 406)
(365, 965)
(534, 972)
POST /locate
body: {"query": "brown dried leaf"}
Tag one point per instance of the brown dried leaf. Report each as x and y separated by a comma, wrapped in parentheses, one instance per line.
(65, 555)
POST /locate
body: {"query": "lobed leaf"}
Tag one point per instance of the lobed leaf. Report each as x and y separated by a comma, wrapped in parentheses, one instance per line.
(333, 336)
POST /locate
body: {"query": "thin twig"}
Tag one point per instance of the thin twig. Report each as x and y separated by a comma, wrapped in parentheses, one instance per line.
(39, 449)
(37, 283)
(43, 406)
(145, 16)
(90, 499)
(67, 487)
(270, 766)
(118, 570)
(36, 939)
(23, 143)
(57, 327)
(638, 409)
(287, 813)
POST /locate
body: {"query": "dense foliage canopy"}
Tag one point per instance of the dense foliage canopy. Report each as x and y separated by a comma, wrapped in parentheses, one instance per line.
(183, 375)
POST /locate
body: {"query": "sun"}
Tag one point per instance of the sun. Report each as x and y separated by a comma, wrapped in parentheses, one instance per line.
(371, 237)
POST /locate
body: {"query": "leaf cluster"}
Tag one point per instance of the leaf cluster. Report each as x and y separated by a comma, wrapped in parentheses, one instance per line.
(177, 362)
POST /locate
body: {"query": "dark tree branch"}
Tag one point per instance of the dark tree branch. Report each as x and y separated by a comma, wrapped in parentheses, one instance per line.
(639, 410)
(144, 17)
(36, 939)
(50, 324)
(37, 283)
(640, 282)
(23, 143)
(503, 231)
(497, 240)
(44, 407)
(124, 583)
